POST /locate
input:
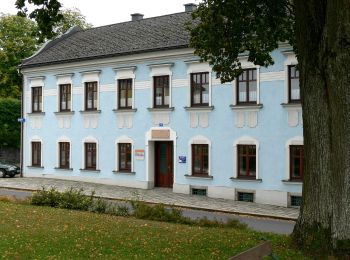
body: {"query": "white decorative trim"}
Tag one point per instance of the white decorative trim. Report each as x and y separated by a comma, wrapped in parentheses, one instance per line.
(108, 88)
(297, 140)
(290, 60)
(64, 79)
(125, 73)
(124, 139)
(199, 139)
(35, 138)
(272, 76)
(36, 82)
(91, 76)
(161, 70)
(242, 141)
(179, 83)
(90, 139)
(139, 85)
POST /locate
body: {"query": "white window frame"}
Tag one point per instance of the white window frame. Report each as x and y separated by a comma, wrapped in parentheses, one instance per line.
(245, 140)
(36, 82)
(199, 139)
(62, 79)
(63, 139)
(40, 140)
(247, 65)
(289, 61)
(297, 140)
(123, 139)
(125, 73)
(90, 139)
(198, 67)
(91, 76)
(161, 70)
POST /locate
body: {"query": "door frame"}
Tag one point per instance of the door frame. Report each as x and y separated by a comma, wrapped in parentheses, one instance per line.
(157, 160)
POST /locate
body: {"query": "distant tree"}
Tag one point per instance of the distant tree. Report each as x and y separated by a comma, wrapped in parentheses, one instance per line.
(71, 17)
(10, 129)
(18, 40)
(46, 14)
(319, 31)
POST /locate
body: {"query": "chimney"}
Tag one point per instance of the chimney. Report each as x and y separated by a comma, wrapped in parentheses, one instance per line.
(190, 7)
(136, 17)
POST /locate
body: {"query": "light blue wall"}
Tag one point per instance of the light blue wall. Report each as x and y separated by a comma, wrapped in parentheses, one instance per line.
(272, 130)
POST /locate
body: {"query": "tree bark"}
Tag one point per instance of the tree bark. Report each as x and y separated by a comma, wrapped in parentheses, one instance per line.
(323, 49)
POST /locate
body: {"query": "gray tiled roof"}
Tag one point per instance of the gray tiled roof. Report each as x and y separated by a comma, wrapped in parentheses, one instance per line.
(151, 34)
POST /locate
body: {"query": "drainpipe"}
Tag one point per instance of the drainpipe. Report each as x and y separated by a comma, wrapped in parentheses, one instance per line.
(22, 117)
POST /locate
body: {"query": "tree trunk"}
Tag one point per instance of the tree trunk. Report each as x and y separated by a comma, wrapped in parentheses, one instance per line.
(323, 48)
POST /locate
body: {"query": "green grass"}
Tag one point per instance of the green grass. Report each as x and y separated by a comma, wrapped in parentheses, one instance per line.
(32, 232)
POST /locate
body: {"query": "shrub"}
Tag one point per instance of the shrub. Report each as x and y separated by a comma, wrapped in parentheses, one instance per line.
(100, 205)
(50, 197)
(122, 211)
(75, 199)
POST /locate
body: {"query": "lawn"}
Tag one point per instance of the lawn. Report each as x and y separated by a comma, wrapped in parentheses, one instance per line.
(32, 232)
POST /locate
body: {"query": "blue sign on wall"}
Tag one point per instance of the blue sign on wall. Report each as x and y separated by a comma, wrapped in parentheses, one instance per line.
(182, 159)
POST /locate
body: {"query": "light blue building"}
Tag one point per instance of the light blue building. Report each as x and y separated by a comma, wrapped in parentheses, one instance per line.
(130, 104)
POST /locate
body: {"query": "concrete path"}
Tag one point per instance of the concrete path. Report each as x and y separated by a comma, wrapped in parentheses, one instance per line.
(157, 195)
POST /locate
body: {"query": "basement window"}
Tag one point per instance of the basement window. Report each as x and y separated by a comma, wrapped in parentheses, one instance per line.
(199, 192)
(295, 201)
(245, 196)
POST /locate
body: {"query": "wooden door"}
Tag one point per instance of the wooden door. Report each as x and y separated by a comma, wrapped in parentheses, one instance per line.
(164, 164)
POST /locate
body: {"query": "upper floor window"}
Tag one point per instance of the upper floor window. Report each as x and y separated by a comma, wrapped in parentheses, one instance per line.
(64, 154)
(37, 99)
(36, 154)
(296, 161)
(161, 91)
(124, 157)
(90, 156)
(91, 95)
(247, 87)
(200, 159)
(125, 93)
(65, 97)
(293, 84)
(246, 161)
(200, 89)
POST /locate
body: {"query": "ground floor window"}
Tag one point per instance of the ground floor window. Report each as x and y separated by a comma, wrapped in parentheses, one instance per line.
(296, 161)
(36, 154)
(246, 161)
(200, 159)
(64, 153)
(90, 156)
(124, 157)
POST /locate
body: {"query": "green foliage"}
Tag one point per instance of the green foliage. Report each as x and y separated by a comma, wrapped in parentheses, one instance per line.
(17, 41)
(46, 14)
(50, 197)
(10, 111)
(71, 17)
(223, 30)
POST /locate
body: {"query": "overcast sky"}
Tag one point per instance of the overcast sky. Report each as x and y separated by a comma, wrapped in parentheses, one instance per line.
(102, 12)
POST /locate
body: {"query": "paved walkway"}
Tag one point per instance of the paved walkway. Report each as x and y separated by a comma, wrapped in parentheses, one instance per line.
(157, 195)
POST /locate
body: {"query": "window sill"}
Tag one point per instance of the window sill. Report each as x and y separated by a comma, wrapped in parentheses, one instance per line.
(63, 169)
(245, 179)
(291, 105)
(35, 167)
(293, 182)
(124, 173)
(63, 113)
(89, 170)
(90, 111)
(160, 109)
(247, 107)
(125, 110)
(199, 108)
(36, 114)
(207, 177)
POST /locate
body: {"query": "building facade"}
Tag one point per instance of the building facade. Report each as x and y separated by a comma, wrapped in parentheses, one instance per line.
(131, 105)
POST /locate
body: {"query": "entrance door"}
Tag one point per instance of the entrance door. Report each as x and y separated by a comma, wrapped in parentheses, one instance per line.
(164, 164)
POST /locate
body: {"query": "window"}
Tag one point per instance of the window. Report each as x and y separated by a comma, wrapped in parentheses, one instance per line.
(245, 196)
(161, 91)
(295, 201)
(200, 192)
(293, 84)
(246, 161)
(200, 159)
(37, 99)
(247, 87)
(90, 156)
(91, 95)
(296, 161)
(125, 93)
(64, 153)
(65, 97)
(36, 154)
(124, 157)
(200, 89)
